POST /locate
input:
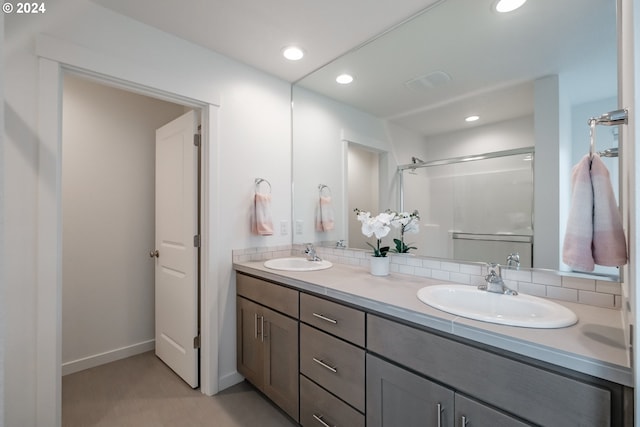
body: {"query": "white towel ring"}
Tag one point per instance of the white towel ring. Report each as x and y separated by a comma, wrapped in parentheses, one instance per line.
(259, 181)
(323, 187)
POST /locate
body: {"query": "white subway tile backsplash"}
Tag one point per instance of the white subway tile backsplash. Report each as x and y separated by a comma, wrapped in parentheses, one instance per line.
(471, 269)
(464, 279)
(432, 264)
(579, 283)
(608, 287)
(406, 269)
(440, 275)
(546, 278)
(450, 266)
(532, 289)
(594, 298)
(541, 283)
(519, 275)
(422, 272)
(562, 294)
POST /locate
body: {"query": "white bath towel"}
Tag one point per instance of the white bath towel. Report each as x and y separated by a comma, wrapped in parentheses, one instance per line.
(324, 216)
(609, 242)
(261, 222)
(576, 251)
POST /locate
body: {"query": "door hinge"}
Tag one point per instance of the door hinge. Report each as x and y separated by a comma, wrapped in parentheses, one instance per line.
(196, 342)
(196, 241)
(196, 139)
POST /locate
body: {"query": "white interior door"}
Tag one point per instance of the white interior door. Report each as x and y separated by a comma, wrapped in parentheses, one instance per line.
(176, 270)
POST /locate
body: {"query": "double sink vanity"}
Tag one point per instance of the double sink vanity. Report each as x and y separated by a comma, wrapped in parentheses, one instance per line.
(340, 347)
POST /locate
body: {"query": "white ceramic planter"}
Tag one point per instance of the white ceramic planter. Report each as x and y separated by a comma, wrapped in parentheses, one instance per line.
(379, 265)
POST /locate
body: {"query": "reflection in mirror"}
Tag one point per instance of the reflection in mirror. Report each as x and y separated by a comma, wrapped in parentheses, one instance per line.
(472, 208)
(363, 190)
(534, 77)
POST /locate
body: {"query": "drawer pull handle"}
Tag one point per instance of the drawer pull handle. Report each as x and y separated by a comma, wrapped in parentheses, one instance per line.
(464, 421)
(319, 418)
(326, 319)
(324, 365)
(440, 409)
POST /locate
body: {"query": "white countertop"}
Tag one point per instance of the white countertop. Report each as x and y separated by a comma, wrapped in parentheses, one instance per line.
(594, 346)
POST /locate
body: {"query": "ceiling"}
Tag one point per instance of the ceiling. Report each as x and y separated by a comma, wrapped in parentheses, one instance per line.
(255, 31)
(492, 59)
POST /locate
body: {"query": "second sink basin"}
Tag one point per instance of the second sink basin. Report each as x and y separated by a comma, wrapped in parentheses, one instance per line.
(514, 310)
(296, 264)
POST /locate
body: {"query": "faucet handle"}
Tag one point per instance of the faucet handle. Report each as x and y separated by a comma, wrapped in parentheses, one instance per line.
(494, 270)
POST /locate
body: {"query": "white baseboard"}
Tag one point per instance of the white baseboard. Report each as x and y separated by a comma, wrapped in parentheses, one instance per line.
(228, 380)
(106, 357)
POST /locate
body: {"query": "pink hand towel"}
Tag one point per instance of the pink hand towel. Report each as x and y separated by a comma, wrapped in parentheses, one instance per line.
(609, 242)
(324, 217)
(576, 251)
(261, 223)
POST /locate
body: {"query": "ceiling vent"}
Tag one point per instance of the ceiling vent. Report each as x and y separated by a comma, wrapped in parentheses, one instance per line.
(428, 81)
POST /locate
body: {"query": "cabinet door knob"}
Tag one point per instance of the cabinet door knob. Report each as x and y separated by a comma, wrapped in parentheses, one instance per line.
(154, 254)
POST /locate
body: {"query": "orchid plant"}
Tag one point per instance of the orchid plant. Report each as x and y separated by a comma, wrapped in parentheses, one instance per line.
(378, 226)
(408, 223)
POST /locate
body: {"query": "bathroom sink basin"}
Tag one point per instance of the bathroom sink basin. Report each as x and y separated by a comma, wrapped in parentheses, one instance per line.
(296, 264)
(514, 310)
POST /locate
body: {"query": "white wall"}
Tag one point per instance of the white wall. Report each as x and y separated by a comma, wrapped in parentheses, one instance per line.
(506, 135)
(108, 169)
(253, 131)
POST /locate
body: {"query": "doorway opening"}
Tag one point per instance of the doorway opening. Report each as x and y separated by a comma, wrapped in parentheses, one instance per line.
(108, 220)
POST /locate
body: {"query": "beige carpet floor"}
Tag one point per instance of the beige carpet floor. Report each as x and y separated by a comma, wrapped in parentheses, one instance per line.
(142, 391)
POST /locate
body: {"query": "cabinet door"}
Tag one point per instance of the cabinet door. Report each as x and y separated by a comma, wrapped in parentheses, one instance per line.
(281, 361)
(470, 413)
(397, 397)
(250, 361)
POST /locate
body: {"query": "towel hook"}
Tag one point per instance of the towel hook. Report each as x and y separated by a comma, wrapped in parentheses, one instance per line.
(322, 187)
(261, 180)
(592, 135)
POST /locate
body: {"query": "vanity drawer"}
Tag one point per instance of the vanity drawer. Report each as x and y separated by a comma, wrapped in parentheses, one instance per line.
(337, 319)
(317, 406)
(279, 298)
(334, 364)
(535, 394)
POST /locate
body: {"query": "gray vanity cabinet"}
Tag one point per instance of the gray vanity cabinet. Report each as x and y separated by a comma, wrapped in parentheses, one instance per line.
(531, 393)
(397, 397)
(471, 413)
(267, 341)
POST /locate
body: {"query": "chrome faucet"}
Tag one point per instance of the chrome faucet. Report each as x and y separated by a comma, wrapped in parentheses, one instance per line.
(494, 281)
(311, 253)
(513, 260)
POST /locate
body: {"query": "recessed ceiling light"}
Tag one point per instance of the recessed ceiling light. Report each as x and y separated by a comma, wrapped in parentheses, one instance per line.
(344, 79)
(293, 53)
(504, 6)
(472, 118)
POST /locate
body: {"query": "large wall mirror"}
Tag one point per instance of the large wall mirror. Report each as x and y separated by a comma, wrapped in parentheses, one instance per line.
(533, 76)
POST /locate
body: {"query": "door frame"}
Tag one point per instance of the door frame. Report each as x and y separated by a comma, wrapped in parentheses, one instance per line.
(56, 57)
